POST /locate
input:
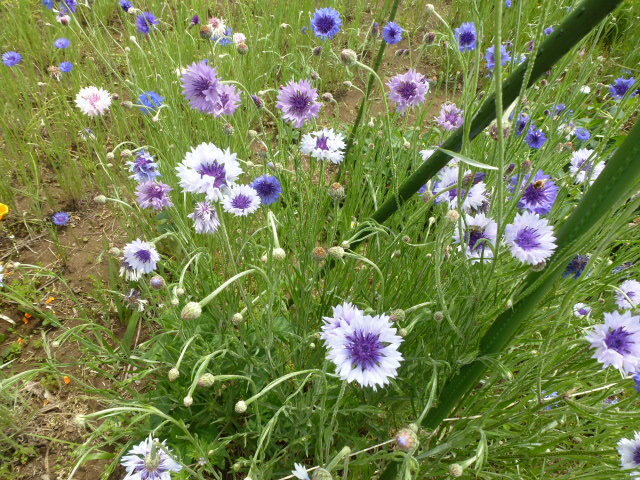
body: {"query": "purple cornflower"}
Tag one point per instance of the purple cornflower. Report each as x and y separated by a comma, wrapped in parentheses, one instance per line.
(530, 238)
(205, 218)
(392, 33)
(559, 108)
(617, 341)
(62, 43)
(539, 195)
(408, 90)
(149, 460)
(150, 101)
(195, 20)
(623, 267)
(636, 381)
(61, 219)
(200, 86)
(298, 102)
(628, 295)
(450, 117)
(268, 187)
(521, 123)
(223, 39)
(491, 56)
(621, 86)
(576, 266)
(583, 134)
(326, 23)
(68, 6)
(154, 195)
(11, 59)
(228, 100)
(48, 4)
(548, 30)
(467, 36)
(144, 167)
(66, 67)
(536, 138)
(126, 5)
(581, 310)
(257, 101)
(146, 22)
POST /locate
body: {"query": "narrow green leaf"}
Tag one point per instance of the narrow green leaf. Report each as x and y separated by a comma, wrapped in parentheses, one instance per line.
(467, 160)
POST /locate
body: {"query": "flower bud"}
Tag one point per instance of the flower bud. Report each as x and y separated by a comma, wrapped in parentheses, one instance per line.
(110, 156)
(237, 318)
(206, 31)
(406, 440)
(279, 253)
(429, 38)
(321, 474)
(100, 199)
(438, 316)
(175, 301)
(403, 332)
(157, 282)
(456, 470)
(328, 97)
(64, 19)
(206, 380)
(228, 129)
(348, 57)
(346, 245)
(191, 311)
(115, 251)
(188, 401)
(336, 191)
(397, 315)
(173, 374)
(242, 48)
(240, 407)
(127, 104)
(319, 253)
(55, 344)
(179, 291)
(453, 215)
(317, 50)
(336, 252)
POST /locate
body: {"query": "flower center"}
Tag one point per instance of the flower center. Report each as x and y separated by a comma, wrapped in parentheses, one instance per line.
(215, 170)
(241, 202)
(467, 38)
(299, 102)
(155, 191)
(636, 456)
(143, 255)
(535, 193)
(407, 90)
(583, 311)
(321, 142)
(619, 341)
(201, 85)
(365, 349)
(475, 235)
(152, 463)
(527, 239)
(324, 24)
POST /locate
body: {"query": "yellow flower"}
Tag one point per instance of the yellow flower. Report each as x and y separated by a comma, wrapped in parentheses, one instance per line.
(4, 209)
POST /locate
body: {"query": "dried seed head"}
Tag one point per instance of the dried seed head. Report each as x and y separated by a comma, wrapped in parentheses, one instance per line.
(206, 380)
(319, 253)
(191, 311)
(240, 407)
(173, 374)
(317, 50)
(429, 38)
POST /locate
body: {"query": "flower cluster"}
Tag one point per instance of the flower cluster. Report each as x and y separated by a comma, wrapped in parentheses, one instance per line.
(206, 92)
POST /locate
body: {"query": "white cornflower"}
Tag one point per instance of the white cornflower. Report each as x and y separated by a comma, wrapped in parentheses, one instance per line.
(629, 294)
(139, 257)
(584, 167)
(324, 144)
(93, 101)
(530, 238)
(629, 450)
(473, 193)
(581, 310)
(479, 236)
(617, 341)
(241, 200)
(205, 218)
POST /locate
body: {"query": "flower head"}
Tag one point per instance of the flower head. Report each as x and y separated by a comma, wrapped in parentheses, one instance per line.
(11, 59)
(326, 23)
(366, 350)
(472, 193)
(521, 123)
(505, 56)
(241, 200)
(61, 218)
(208, 169)
(146, 22)
(200, 85)
(324, 144)
(621, 86)
(300, 472)
(582, 134)
(228, 100)
(139, 257)
(392, 33)
(154, 195)
(530, 238)
(126, 5)
(144, 167)
(478, 236)
(548, 30)
(584, 167)
(576, 266)
(149, 460)
(298, 102)
(536, 137)
(450, 117)
(62, 43)
(66, 67)
(269, 189)
(539, 195)
(617, 341)
(408, 90)
(467, 36)
(629, 450)
(150, 101)
(581, 310)
(93, 101)
(628, 295)
(205, 218)
(343, 315)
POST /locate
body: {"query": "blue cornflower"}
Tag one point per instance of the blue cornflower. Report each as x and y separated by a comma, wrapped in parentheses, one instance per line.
(621, 86)
(61, 218)
(392, 33)
(48, 3)
(536, 138)
(576, 266)
(623, 267)
(62, 43)
(195, 20)
(583, 134)
(508, 3)
(559, 108)
(491, 56)
(11, 59)
(150, 101)
(225, 39)
(521, 123)
(467, 36)
(268, 187)
(548, 30)
(146, 22)
(538, 193)
(126, 5)
(636, 381)
(144, 167)
(326, 23)
(66, 67)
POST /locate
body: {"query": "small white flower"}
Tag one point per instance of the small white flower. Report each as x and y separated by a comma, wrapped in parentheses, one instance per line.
(479, 236)
(581, 310)
(324, 144)
(205, 218)
(446, 189)
(149, 459)
(628, 295)
(617, 341)
(300, 472)
(583, 166)
(241, 200)
(585, 89)
(93, 101)
(239, 38)
(629, 450)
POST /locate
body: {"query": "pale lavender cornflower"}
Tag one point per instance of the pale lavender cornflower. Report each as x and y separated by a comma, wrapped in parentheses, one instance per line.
(144, 167)
(628, 295)
(581, 310)
(473, 194)
(205, 218)
(343, 315)
(530, 238)
(149, 460)
(629, 450)
(478, 235)
(408, 90)
(366, 350)
(324, 144)
(298, 102)
(139, 257)
(617, 341)
(200, 85)
(539, 195)
(300, 472)
(241, 200)
(505, 56)
(228, 100)
(584, 167)
(208, 169)
(154, 195)
(450, 117)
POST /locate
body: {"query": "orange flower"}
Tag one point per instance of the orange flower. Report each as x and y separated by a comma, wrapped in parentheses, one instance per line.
(66, 379)
(20, 340)
(49, 300)
(4, 209)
